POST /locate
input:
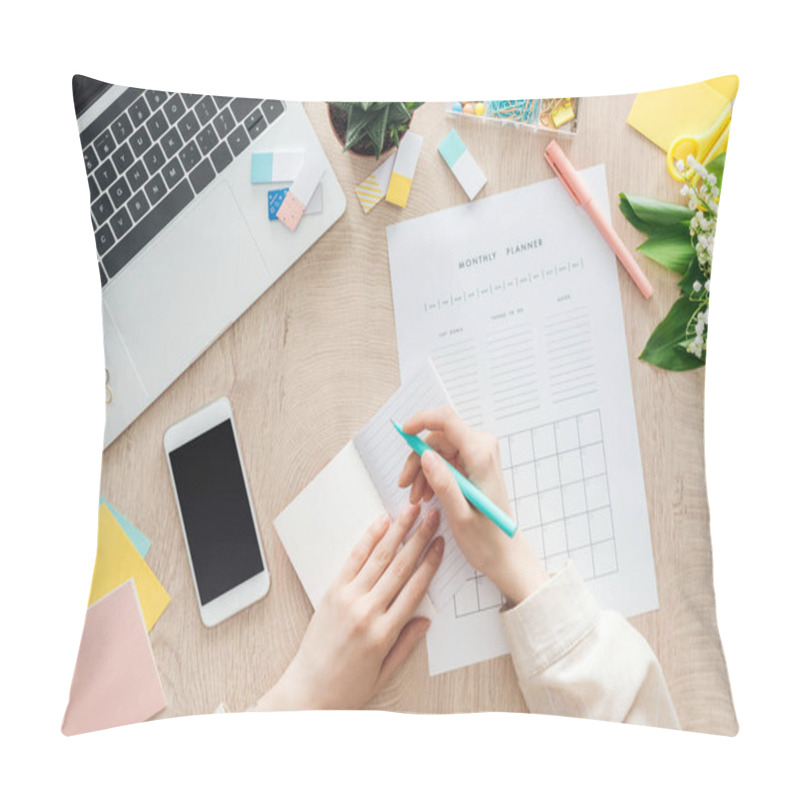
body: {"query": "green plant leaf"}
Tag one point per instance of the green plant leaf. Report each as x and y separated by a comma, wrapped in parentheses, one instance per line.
(665, 347)
(357, 122)
(672, 248)
(399, 114)
(377, 131)
(692, 274)
(651, 216)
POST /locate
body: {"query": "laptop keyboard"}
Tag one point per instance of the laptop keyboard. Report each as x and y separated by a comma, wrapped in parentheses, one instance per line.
(150, 153)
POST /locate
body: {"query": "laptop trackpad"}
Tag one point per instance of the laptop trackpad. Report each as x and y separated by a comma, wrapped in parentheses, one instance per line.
(187, 288)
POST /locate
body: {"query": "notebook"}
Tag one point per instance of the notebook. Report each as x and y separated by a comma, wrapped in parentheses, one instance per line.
(320, 527)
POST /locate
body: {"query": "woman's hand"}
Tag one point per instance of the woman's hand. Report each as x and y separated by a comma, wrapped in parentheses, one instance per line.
(363, 629)
(510, 563)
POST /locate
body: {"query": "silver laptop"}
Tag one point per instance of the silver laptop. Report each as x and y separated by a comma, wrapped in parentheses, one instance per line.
(184, 239)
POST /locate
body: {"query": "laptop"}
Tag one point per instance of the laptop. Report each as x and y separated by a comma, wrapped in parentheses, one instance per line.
(185, 244)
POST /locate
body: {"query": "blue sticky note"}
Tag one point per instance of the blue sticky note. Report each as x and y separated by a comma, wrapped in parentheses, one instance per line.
(452, 148)
(261, 168)
(138, 539)
(275, 200)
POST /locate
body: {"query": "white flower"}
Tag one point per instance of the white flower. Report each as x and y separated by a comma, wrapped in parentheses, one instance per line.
(708, 285)
(699, 327)
(712, 180)
(685, 189)
(697, 286)
(695, 347)
(680, 166)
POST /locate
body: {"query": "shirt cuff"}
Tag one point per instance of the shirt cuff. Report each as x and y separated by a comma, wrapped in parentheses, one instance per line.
(545, 626)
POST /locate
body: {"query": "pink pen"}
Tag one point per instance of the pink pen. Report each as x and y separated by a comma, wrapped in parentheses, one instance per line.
(573, 183)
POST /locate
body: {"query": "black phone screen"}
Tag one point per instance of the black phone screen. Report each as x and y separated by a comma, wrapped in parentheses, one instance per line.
(216, 514)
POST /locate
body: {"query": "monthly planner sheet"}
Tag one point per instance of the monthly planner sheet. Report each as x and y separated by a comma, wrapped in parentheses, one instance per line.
(516, 300)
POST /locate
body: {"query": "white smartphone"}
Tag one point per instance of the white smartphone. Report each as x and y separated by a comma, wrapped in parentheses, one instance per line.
(216, 512)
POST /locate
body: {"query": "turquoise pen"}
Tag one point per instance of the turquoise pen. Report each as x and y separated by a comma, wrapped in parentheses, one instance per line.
(473, 494)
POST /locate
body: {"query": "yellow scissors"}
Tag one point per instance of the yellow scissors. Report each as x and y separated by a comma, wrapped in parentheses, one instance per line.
(704, 147)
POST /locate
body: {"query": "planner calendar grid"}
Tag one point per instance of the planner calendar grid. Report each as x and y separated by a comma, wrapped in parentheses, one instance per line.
(558, 488)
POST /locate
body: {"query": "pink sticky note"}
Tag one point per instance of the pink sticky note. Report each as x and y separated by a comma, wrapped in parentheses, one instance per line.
(115, 680)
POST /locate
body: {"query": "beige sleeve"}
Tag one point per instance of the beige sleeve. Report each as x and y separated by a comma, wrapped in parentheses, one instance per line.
(574, 659)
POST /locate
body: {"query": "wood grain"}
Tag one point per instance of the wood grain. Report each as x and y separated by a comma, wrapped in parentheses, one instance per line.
(309, 362)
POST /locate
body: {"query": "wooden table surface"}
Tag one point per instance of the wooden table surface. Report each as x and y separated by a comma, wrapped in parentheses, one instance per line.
(321, 341)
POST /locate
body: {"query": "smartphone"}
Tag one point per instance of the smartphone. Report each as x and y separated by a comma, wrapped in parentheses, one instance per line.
(216, 512)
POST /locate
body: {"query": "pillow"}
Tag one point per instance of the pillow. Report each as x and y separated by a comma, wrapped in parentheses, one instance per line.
(274, 276)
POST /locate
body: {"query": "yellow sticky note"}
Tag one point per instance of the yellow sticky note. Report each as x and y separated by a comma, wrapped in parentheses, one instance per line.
(117, 561)
(664, 115)
(399, 189)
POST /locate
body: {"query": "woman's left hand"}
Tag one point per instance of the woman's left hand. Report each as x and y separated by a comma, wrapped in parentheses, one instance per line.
(363, 629)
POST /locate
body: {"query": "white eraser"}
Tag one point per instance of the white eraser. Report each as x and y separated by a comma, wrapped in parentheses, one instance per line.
(276, 166)
(403, 171)
(462, 164)
(305, 184)
(308, 178)
(408, 155)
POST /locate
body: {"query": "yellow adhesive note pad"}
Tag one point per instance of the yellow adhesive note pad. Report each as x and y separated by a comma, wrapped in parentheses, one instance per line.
(117, 561)
(664, 115)
(398, 191)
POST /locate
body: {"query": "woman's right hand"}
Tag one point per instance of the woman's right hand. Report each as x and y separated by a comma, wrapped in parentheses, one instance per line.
(509, 562)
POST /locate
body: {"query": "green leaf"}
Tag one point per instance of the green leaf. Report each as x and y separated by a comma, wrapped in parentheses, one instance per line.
(665, 347)
(651, 216)
(672, 248)
(357, 122)
(377, 131)
(692, 274)
(399, 113)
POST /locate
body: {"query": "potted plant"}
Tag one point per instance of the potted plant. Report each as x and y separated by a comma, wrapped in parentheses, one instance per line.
(370, 128)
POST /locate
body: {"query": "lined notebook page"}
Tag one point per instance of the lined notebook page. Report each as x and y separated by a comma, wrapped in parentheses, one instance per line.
(384, 452)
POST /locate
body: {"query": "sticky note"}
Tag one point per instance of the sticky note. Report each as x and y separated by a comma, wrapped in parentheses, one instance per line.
(373, 188)
(297, 199)
(274, 200)
(115, 680)
(463, 165)
(117, 561)
(403, 171)
(275, 166)
(665, 114)
(276, 197)
(138, 539)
